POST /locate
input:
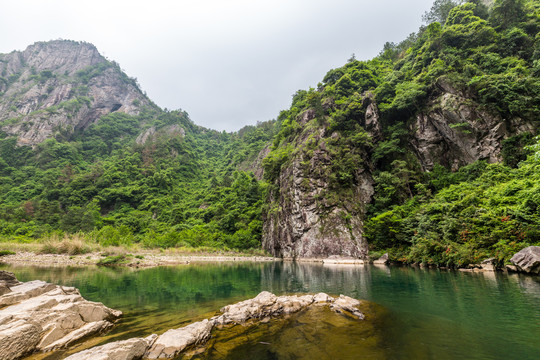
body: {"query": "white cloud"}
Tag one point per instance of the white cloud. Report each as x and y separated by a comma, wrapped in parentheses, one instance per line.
(227, 62)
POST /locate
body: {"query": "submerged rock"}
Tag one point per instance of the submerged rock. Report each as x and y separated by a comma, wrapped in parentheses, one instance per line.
(528, 260)
(174, 342)
(38, 316)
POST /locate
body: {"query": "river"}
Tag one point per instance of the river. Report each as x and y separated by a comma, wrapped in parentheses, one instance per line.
(429, 314)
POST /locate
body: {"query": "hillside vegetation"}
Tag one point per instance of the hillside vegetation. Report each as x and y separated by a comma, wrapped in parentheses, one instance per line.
(176, 189)
(436, 203)
(423, 210)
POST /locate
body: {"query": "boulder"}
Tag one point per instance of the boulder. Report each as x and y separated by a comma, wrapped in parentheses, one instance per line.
(348, 304)
(120, 350)
(262, 306)
(38, 316)
(528, 260)
(18, 338)
(173, 342)
(7, 280)
(383, 260)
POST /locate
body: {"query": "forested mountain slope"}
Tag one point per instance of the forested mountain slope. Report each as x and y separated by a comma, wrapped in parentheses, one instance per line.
(105, 161)
(426, 151)
(359, 156)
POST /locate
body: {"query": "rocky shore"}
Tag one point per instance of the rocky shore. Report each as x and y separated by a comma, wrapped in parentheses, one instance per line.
(525, 261)
(38, 316)
(173, 343)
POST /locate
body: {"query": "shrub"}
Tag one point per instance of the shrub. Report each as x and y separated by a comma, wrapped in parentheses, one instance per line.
(112, 260)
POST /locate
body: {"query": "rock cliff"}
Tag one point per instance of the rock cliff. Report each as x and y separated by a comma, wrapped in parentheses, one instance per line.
(454, 130)
(314, 215)
(59, 87)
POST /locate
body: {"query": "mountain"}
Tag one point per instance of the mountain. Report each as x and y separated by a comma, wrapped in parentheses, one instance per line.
(427, 151)
(61, 87)
(357, 160)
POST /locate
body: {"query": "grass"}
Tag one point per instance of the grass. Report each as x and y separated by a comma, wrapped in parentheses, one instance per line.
(113, 260)
(71, 245)
(6, 252)
(79, 244)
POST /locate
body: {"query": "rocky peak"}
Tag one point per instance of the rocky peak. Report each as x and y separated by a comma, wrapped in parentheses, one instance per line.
(62, 86)
(59, 56)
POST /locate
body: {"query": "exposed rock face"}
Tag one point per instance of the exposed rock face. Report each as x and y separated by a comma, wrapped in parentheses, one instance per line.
(457, 132)
(256, 165)
(309, 219)
(37, 316)
(173, 343)
(61, 86)
(151, 134)
(528, 260)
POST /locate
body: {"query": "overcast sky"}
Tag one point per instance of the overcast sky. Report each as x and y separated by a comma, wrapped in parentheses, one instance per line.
(228, 63)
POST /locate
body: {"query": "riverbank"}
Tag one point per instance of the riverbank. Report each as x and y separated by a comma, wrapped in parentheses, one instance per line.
(138, 259)
(171, 257)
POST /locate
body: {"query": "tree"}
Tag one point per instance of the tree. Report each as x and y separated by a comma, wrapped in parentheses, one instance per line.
(439, 11)
(506, 13)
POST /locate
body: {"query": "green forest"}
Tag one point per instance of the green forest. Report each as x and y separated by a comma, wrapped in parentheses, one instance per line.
(202, 188)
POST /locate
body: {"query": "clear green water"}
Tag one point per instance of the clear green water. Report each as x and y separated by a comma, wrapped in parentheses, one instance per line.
(430, 314)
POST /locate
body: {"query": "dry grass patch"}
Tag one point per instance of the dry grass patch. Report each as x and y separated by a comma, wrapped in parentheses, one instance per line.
(71, 245)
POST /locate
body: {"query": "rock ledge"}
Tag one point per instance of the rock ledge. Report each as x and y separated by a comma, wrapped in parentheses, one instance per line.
(174, 342)
(38, 316)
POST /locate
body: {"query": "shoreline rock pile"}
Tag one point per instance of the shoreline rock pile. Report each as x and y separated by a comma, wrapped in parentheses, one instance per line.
(528, 260)
(38, 316)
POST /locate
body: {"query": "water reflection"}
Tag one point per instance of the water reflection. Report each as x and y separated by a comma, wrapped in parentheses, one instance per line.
(432, 313)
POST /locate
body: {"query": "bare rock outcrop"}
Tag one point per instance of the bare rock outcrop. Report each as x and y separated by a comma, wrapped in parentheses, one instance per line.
(309, 217)
(151, 134)
(173, 343)
(383, 260)
(528, 260)
(456, 131)
(38, 316)
(61, 86)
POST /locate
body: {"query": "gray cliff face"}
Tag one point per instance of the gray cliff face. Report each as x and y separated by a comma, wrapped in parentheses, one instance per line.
(456, 131)
(307, 218)
(61, 86)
